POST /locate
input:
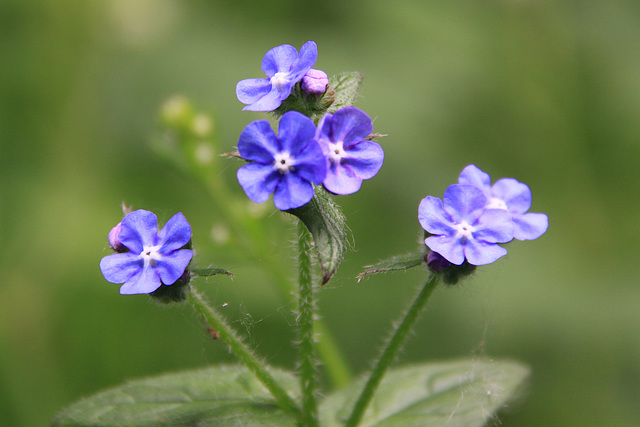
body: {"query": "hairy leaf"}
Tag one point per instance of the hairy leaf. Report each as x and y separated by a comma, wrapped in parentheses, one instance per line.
(216, 396)
(346, 86)
(328, 226)
(394, 263)
(463, 393)
(209, 271)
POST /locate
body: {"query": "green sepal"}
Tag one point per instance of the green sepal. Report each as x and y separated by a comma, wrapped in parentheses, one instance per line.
(454, 393)
(394, 263)
(346, 87)
(216, 396)
(328, 226)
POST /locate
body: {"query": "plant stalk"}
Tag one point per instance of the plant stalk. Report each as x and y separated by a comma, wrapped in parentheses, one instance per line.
(242, 351)
(393, 346)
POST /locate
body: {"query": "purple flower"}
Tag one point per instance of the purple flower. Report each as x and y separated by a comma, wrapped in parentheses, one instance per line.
(153, 258)
(315, 82)
(284, 68)
(463, 228)
(351, 158)
(512, 196)
(285, 165)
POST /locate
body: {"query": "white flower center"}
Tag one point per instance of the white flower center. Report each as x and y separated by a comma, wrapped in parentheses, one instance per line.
(465, 231)
(279, 80)
(150, 255)
(283, 162)
(336, 152)
(496, 203)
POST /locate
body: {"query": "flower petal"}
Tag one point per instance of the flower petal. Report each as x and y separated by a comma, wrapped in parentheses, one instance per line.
(171, 267)
(310, 164)
(118, 268)
(494, 226)
(175, 234)
(482, 253)
(292, 192)
(258, 181)
(433, 218)
(516, 195)
(258, 142)
(144, 282)
(294, 132)
(279, 59)
(473, 175)
(270, 101)
(342, 180)
(449, 247)
(364, 159)
(464, 202)
(139, 229)
(249, 91)
(351, 126)
(530, 226)
(307, 59)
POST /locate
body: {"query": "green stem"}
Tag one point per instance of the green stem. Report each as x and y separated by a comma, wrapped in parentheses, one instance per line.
(389, 353)
(242, 351)
(307, 369)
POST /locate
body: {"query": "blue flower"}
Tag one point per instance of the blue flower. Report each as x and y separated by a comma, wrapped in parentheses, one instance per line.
(153, 258)
(285, 165)
(463, 228)
(284, 68)
(351, 158)
(512, 196)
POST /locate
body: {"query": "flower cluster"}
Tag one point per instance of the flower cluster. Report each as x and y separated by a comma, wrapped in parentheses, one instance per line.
(336, 154)
(147, 259)
(473, 217)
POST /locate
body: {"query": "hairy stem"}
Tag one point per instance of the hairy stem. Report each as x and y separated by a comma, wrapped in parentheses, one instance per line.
(242, 351)
(393, 346)
(307, 368)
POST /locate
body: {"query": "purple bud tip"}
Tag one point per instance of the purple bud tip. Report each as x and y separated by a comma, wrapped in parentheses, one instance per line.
(114, 239)
(315, 82)
(437, 262)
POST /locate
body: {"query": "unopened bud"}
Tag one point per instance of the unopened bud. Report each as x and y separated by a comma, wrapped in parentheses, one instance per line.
(114, 239)
(315, 82)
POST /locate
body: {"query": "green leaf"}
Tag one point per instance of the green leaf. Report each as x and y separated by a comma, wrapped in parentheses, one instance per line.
(328, 226)
(394, 263)
(209, 271)
(216, 396)
(346, 87)
(463, 393)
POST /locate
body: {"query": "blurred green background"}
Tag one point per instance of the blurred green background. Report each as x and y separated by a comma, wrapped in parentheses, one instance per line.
(543, 91)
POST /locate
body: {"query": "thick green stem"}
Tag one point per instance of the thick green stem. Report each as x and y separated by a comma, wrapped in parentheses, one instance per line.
(242, 351)
(307, 369)
(393, 346)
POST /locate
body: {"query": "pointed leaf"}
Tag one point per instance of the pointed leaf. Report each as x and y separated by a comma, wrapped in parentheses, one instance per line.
(463, 393)
(394, 263)
(346, 86)
(210, 271)
(216, 396)
(328, 226)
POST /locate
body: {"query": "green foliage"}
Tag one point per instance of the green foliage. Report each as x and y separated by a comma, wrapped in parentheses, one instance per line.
(346, 87)
(460, 393)
(328, 226)
(217, 396)
(394, 263)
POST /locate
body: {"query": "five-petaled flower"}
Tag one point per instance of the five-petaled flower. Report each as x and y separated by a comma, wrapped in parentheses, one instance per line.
(153, 258)
(351, 158)
(462, 226)
(510, 195)
(285, 164)
(284, 68)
